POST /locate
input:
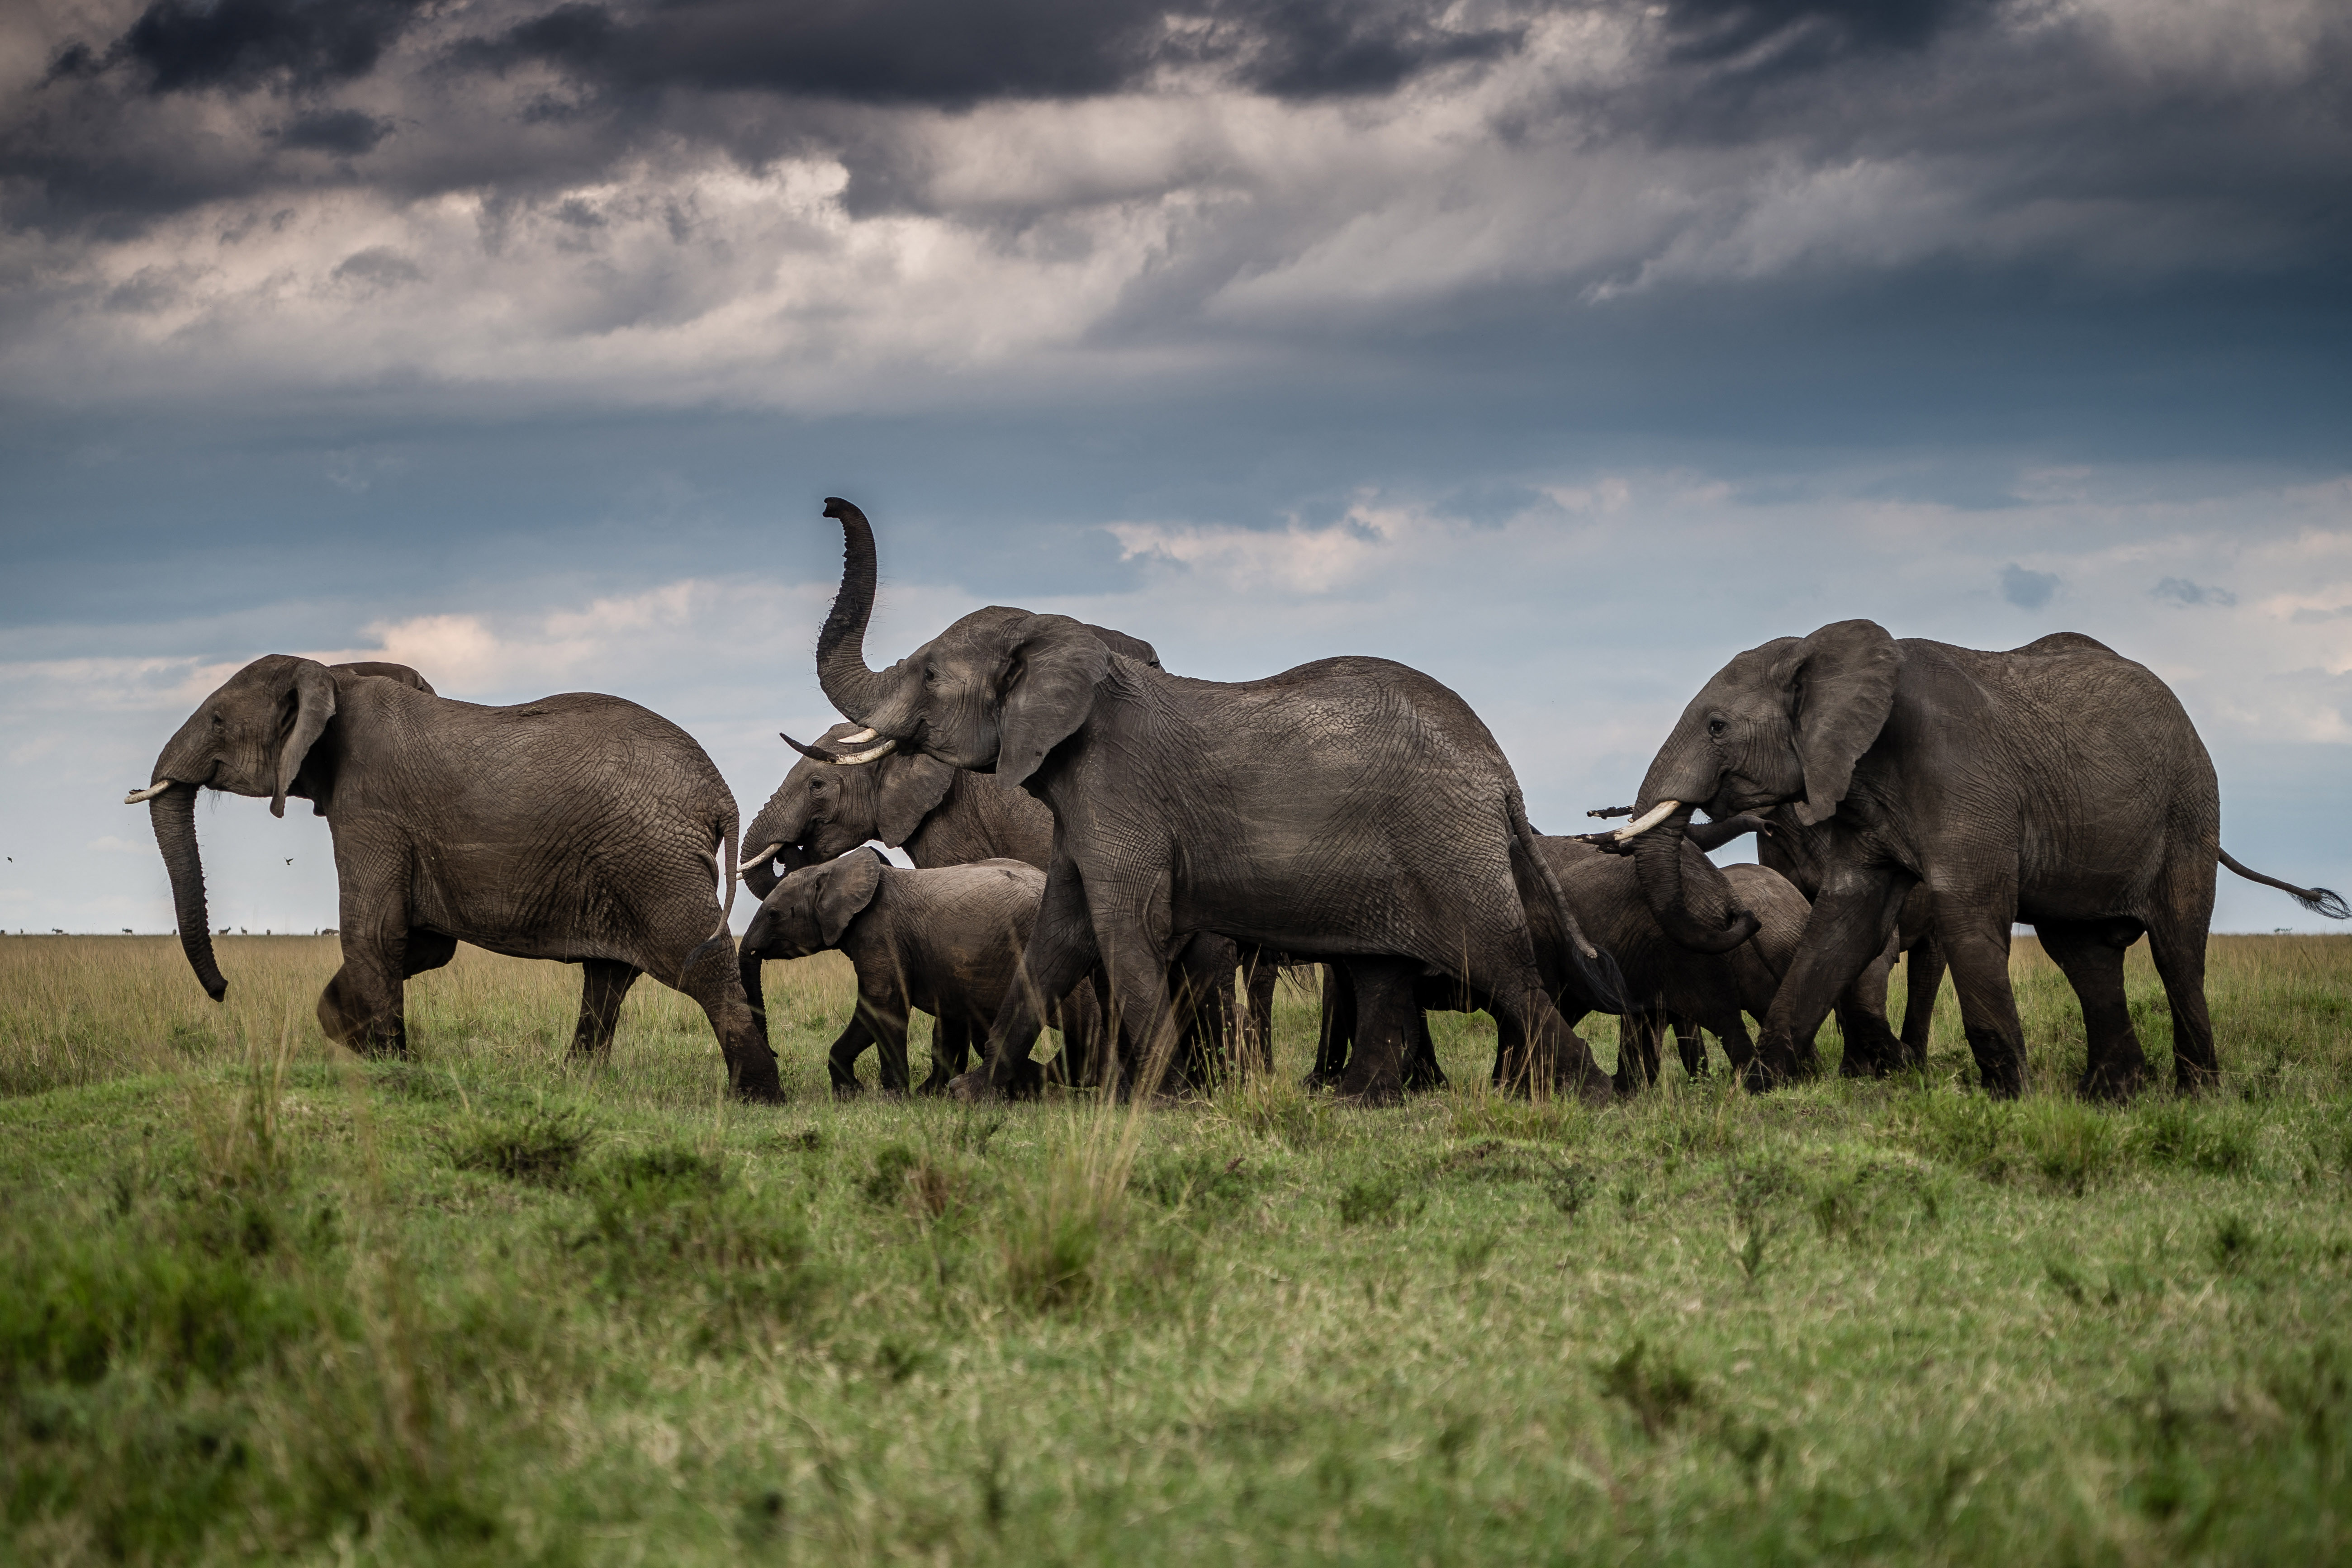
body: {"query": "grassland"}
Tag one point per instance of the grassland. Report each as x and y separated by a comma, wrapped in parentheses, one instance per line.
(258, 1299)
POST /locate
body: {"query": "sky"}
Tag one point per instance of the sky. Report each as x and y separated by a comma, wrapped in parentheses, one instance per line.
(1561, 350)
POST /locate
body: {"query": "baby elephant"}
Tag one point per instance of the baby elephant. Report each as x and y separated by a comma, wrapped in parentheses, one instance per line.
(947, 941)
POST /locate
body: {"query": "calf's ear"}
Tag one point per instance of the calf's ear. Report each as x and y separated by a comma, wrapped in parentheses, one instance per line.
(850, 884)
(1841, 686)
(388, 670)
(911, 788)
(1056, 663)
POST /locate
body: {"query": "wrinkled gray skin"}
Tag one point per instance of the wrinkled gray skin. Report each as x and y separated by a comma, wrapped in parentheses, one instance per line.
(1348, 806)
(1872, 1049)
(2058, 783)
(580, 827)
(1664, 983)
(945, 940)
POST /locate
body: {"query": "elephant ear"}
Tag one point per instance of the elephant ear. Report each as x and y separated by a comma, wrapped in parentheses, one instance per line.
(911, 789)
(388, 670)
(850, 884)
(1841, 682)
(1056, 665)
(313, 691)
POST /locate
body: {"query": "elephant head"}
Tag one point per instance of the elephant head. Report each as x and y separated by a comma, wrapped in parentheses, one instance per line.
(809, 908)
(253, 736)
(1782, 724)
(996, 692)
(825, 809)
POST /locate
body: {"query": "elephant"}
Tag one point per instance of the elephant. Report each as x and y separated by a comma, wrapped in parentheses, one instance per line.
(945, 941)
(579, 828)
(943, 815)
(2058, 783)
(1348, 806)
(1664, 983)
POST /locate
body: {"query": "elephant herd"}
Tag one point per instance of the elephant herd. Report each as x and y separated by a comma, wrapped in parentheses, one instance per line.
(1028, 821)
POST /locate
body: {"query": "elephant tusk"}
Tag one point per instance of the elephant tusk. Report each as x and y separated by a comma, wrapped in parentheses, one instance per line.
(859, 739)
(1648, 819)
(884, 750)
(761, 859)
(150, 793)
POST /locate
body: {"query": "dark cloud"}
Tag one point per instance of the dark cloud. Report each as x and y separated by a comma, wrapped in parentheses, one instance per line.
(2027, 589)
(177, 46)
(1785, 33)
(343, 131)
(953, 52)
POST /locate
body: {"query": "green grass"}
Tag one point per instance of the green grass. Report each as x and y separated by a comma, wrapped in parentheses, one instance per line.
(262, 1301)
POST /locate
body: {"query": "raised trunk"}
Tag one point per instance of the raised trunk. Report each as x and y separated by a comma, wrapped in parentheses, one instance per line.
(173, 814)
(1710, 923)
(841, 669)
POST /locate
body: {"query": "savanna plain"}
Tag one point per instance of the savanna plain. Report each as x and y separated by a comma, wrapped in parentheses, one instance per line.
(260, 1300)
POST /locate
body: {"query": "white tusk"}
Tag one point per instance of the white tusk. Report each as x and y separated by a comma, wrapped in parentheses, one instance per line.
(761, 859)
(1648, 819)
(857, 739)
(150, 793)
(884, 750)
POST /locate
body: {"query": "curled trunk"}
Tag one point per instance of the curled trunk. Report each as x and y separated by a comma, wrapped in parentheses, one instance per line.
(173, 814)
(850, 685)
(763, 878)
(1698, 911)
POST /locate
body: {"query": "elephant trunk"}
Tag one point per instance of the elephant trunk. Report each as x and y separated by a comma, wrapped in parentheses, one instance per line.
(173, 814)
(850, 685)
(763, 878)
(1713, 923)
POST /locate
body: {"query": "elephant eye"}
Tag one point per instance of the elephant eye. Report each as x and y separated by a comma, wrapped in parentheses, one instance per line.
(1716, 727)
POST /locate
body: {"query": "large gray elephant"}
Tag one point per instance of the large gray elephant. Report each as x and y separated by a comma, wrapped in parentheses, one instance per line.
(1348, 806)
(580, 827)
(2058, 783)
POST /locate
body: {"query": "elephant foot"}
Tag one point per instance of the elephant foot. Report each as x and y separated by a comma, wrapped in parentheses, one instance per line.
(1022, 1080)
(2113, 1083)
(938, 1083)
(1373, 1095)
(1593, 1088)
(764, 1090)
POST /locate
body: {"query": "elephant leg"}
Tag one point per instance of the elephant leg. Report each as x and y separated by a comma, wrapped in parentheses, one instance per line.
(1150, 1029)
(1202, 982)
(841, 1061)
(2176, 940)
(603, 981)
(950, 1048)
(1337, 1032)
(1421, 1072)
(1062, 950)
(1870, 1045)
(1637, 1052)
(2092, 958)
(1691, 1045)
(1922, 977)
(1849, 926)
(1977, 946)
(363, 1005)
(1386, 1008)
(755, 993)
(889, 1023)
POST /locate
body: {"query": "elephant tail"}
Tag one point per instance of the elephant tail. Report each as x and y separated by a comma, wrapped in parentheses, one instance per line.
(723, 859)
(2318, 900)
(1602, 981)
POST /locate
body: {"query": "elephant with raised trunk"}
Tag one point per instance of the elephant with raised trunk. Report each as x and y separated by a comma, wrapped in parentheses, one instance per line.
(580, 827)
(1348, 806)
(2058, 783)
